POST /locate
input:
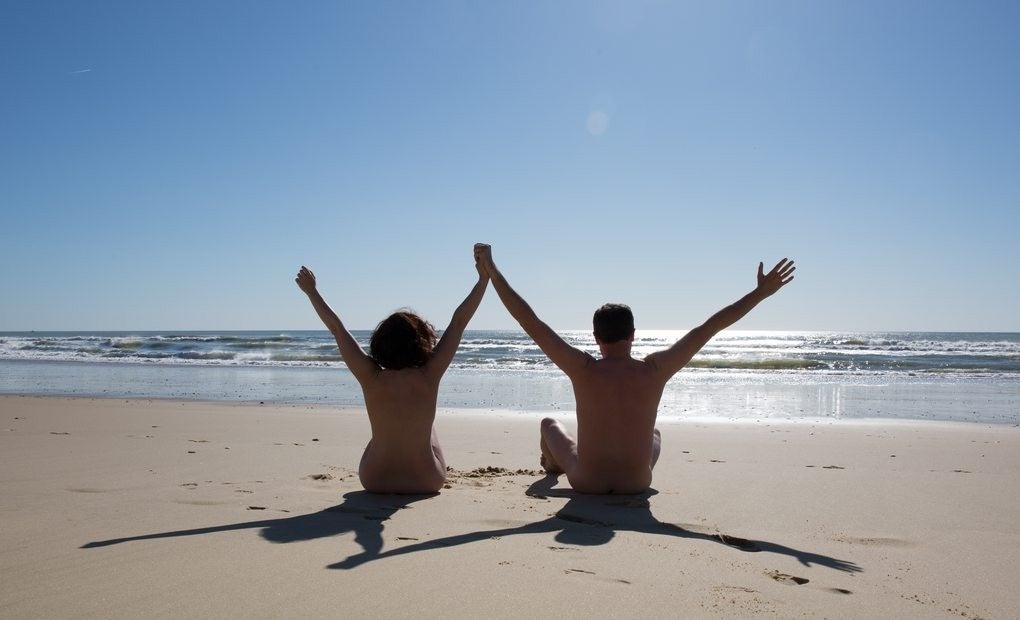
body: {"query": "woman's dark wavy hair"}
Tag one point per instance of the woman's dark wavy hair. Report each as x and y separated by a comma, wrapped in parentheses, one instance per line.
(402, 340)
(613, 322)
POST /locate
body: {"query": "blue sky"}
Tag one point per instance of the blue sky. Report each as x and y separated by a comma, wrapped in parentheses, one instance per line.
(171, 165)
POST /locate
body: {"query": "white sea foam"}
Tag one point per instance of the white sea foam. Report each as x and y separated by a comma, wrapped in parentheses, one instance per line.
(735, 351)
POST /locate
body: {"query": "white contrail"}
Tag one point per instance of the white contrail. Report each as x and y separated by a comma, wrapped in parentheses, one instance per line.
(80, 71)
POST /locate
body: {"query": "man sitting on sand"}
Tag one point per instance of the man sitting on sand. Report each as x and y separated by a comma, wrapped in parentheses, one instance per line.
(400, 380)
(617, 396)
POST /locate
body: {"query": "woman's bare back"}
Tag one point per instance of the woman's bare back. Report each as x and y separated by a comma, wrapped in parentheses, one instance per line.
(403, 455)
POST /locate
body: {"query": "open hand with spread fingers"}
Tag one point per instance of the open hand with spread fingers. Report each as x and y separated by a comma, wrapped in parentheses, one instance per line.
(780, 276)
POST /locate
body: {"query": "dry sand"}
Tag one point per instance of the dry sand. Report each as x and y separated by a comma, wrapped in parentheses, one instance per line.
(116, 508)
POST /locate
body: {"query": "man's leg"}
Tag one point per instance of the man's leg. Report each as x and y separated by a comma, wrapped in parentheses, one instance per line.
(559, 449)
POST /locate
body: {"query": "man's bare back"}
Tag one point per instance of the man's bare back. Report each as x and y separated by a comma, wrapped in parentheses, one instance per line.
(617, 399)
(617, 396)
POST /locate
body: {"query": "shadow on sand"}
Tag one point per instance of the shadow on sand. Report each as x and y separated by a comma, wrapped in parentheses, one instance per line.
(361, 512)
(585, 520)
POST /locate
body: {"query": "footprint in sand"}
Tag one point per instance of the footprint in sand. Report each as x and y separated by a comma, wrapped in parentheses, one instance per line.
(200, 502)
(874, 540)
(740, 543)
(789, 580)
(581, 571)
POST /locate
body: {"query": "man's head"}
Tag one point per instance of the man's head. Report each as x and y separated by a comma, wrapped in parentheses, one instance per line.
(613, 323)
(402, 340)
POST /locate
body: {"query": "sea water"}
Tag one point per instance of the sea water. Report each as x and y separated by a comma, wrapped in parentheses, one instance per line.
(738, 374)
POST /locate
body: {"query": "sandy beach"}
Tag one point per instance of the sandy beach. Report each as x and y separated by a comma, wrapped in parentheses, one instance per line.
(128, 508)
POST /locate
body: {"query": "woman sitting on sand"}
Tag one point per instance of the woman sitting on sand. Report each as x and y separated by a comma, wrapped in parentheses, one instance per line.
(400, 380)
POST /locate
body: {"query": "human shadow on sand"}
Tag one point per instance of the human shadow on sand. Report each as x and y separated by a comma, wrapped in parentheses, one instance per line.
(586, 520)
(594, 520)
(361, 512)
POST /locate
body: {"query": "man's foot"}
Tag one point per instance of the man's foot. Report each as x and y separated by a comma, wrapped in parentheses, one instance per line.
(549, 464)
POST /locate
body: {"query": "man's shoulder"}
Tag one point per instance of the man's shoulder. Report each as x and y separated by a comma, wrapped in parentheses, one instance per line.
(622, 362)
(617, 367)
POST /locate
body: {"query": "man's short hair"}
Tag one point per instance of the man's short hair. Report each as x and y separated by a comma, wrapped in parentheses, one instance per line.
(613, 322)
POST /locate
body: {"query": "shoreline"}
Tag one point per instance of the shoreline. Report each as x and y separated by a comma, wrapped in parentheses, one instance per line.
(689, 395)
(531, 416)
(117, 507)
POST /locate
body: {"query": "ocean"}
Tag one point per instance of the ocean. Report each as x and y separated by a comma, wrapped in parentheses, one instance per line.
(739, 375)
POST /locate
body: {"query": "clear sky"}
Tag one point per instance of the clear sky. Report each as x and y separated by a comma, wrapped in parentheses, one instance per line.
(170, 165)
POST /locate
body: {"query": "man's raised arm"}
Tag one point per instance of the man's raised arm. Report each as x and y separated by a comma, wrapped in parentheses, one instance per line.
(676, 357)
(566, 357)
